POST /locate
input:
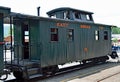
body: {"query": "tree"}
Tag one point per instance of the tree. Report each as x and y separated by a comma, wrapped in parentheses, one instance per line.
(115, 30)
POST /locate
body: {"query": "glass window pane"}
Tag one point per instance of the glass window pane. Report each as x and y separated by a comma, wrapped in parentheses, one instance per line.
(70, 34)
(26, 33)
(105, 35)
(54, 34)
(96, 35)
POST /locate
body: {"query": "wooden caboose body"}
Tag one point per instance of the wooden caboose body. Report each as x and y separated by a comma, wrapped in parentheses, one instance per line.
(68, 35)
(58, 41)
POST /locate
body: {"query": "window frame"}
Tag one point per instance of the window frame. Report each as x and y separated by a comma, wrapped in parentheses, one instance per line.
(97, 35)
(70, 34)
(54, 35)
(105, 33)
(77, 15)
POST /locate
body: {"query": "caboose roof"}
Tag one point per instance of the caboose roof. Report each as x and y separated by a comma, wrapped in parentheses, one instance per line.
(67, 8)
(4, 10)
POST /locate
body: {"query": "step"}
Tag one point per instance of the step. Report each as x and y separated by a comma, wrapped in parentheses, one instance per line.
(33, 71)
(32, 65)
(35, 76)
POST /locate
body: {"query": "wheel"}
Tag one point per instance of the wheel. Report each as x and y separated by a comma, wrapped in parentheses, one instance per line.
(84, 62)
(18, 74)
(54, 69)
(50, 70)
(114, 55)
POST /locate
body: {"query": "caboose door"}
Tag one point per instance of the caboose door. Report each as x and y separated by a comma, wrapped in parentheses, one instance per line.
(25, 41)
(21, 38)
(34, 37)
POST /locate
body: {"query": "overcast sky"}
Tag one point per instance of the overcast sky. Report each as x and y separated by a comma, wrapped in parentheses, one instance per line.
(105, 11)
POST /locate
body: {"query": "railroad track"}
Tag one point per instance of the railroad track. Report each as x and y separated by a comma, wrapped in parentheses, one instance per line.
(104, 73)
(108, 77)
(66, 70)
(61, 71)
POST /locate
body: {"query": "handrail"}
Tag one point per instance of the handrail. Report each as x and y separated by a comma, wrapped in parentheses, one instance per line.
(11, 37)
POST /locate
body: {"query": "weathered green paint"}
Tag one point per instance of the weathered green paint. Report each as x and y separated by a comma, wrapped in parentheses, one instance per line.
(66, 51)
(35, 45)
(18, 46)
(83, 46)
(5, 11)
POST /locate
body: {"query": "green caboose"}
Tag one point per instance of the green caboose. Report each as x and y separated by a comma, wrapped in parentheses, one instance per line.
(53, 41)
(68, 35)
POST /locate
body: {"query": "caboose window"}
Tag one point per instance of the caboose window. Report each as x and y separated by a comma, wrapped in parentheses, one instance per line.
(77, 15)
(26, 36)
(53, 16)
(54, 34)
(105, 35)
(27, 33)
(67, 15)
(89, 17)
(96, 35)
(70, 34)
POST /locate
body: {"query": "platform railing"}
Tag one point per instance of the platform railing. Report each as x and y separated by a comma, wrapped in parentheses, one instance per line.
(17, 54)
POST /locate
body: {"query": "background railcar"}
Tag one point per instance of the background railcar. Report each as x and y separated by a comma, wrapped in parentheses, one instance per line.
(4, 11)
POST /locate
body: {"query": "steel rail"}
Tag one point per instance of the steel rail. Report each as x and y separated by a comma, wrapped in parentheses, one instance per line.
(108, 77)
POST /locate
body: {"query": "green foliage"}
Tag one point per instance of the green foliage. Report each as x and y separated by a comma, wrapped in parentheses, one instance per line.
(115, 30)
(115, 40)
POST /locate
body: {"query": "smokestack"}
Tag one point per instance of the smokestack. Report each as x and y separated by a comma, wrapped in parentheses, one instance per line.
(38, 11)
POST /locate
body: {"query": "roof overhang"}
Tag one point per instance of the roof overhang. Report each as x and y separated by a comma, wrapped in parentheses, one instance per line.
(67, 8)
(5, 11)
